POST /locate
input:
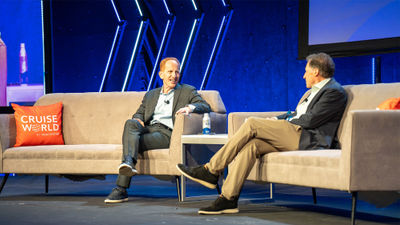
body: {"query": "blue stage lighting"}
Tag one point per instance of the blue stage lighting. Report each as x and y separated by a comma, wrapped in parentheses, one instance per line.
(158, 55)
(133, 55)
(138, 6)
(116, 11)
(223, 3)
(212, 53)
(194, 5)
(109, 58)
(373, 70)
(112, 46)
(166, 7)
(188, 42)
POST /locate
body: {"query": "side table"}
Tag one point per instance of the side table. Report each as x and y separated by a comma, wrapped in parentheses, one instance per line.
(200, 139)
(205, 139)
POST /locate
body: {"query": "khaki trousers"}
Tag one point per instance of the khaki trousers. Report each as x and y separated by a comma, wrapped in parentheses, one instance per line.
(257, 136)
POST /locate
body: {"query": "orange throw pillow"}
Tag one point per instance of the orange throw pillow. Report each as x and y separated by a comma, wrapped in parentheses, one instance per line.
(391, 103)
(38, 125)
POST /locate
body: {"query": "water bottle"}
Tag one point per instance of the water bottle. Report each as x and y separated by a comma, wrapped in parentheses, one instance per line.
(23, 65)
(206, 123)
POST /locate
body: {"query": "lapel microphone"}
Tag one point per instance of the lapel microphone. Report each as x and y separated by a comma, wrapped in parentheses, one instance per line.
(166, 101)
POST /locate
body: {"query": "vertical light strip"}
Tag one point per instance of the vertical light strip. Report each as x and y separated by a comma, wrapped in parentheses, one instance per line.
(213, 51)
(133, 55)
(115, 10)
(138, 6)
(223, 3)
(373, 70)
(43, 50)
(112, 46)
(158, 54)
(194, 5)
(109, 58)
(166, 7)
(188, 43)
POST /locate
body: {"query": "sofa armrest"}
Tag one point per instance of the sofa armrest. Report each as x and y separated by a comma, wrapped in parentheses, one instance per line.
(236, 119)
(192, 124)
(8, 134)
(371, 152)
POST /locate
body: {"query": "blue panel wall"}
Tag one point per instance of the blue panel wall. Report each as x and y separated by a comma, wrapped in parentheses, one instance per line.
(256, 68)
(82, 35)
(26, 27)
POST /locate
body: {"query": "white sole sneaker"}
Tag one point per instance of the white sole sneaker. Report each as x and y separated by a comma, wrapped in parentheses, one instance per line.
(116, 201)
(126, 170)
(225, 211)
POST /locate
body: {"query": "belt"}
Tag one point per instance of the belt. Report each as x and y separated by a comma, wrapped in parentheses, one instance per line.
(163, 126)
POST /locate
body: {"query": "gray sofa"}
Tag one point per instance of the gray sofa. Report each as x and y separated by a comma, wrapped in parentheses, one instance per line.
(369, 158)
(92, 130)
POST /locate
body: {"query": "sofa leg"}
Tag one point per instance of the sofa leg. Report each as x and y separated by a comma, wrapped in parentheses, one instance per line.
(314, 195)
(46, 184)
(353, 207)
(3, 182)
(178, 189)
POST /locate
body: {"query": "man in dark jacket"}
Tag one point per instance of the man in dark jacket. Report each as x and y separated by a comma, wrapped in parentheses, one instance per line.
(312, 126)
(151, 126)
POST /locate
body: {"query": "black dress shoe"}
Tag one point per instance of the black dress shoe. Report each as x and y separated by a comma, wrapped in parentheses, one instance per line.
(127, 167)
(117, 195)
(221, 205)
(199, 174)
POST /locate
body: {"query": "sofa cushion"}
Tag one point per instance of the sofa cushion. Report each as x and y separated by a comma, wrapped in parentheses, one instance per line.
(77, 152)
(94, 118)
(93, 151)
(309, 158)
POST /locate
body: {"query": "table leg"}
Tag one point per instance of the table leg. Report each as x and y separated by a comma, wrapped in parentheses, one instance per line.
(183, 188)
(183, 178)
(271, 190)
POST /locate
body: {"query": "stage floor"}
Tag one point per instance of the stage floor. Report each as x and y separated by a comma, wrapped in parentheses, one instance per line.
(152, 201)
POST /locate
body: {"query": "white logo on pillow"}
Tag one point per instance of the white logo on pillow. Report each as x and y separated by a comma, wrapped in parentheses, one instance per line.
(40, 123)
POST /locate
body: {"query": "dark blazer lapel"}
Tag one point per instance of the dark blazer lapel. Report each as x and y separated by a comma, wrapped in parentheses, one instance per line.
(316, 97)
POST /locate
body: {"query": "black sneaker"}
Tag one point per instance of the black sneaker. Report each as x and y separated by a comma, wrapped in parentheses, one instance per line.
(221, 205)
(199, 174)
(127, 168)
(117, 195)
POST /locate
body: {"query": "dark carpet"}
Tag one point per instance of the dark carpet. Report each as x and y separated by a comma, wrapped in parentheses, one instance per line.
(152, 201)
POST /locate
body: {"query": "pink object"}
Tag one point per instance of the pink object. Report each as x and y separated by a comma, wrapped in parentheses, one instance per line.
(23, 64)
(3, 73)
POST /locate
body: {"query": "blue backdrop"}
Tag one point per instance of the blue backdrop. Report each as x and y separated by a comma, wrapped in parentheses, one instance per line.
(256, 68)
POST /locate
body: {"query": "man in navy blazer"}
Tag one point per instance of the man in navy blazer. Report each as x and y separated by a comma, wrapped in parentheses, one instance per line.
(312, 126)
(321, 120)
(151, 126)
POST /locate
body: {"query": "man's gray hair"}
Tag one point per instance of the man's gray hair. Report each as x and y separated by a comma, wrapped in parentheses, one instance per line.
(323, 62)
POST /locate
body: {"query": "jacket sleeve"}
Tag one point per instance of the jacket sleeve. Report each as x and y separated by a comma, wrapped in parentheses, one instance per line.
(201, 106)
(330, 104)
